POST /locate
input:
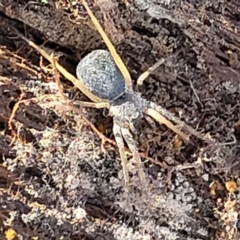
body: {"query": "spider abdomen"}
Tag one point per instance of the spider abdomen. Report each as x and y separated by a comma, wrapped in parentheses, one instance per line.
(101, 76)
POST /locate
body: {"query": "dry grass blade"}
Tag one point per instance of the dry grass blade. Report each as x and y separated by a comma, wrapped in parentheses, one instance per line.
(110, 46)
(76, 82)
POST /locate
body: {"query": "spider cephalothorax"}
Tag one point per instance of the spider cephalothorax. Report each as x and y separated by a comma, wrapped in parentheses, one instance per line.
(128, 108)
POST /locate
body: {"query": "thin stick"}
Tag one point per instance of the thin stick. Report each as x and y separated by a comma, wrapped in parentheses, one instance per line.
(122, 67)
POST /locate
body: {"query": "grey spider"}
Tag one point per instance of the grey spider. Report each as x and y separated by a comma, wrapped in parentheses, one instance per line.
(102, 77)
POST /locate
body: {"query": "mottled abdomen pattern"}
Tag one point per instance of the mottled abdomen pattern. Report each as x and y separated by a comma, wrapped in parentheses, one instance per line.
(101, 76)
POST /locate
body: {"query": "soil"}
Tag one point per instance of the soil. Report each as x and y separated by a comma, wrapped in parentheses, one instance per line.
(57, 182)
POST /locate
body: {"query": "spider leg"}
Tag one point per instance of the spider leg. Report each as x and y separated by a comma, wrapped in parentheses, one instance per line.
(150, 70)
(162, 120)
(93, 105)
(122, 67)
(76, 82)
(157, 112)
(119, 140)
(132, 146)
(146, 74)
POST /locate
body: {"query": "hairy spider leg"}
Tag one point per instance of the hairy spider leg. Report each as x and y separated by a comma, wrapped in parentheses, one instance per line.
(132, 146)
(146, 74)
(155, 111)
(162, 120)
(119, 140)
(98, 105)
(150, 70)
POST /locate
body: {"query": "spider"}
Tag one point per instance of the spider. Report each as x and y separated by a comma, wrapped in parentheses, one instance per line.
(103, 77)
(99, 73)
